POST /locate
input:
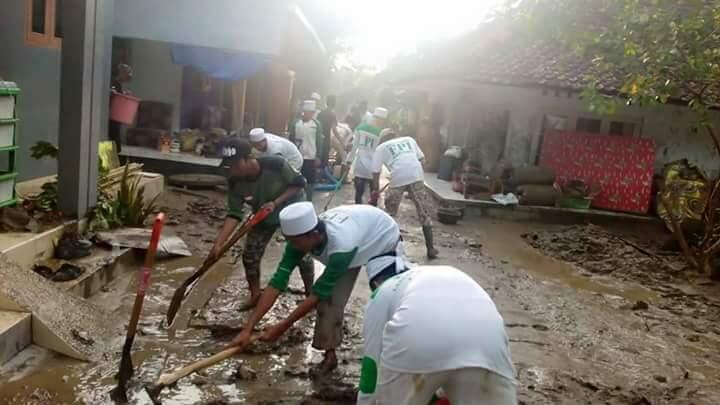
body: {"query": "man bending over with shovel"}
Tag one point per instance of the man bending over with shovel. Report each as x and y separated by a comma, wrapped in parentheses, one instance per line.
(431, 328)
(344, 239)
(260, 183)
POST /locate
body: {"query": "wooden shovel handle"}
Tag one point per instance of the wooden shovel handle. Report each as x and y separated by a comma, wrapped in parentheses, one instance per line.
(246, 226)
(171, 378)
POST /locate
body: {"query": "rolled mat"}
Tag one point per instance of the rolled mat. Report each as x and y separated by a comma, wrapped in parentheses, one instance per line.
(531, 175)
(537, 194)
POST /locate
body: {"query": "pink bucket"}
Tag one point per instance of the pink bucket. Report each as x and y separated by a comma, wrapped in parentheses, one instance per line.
(123, 108)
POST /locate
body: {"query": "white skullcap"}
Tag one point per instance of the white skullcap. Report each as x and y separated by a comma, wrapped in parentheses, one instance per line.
(309, 105)
(257, 135)
(297, 219)
(381, 112)
(316, 97)
(376, 265)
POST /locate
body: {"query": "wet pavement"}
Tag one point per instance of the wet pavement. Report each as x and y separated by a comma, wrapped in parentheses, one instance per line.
(577, 336)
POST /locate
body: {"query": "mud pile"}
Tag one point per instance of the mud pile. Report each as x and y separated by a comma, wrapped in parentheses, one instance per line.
(600, 251)
(62, 322)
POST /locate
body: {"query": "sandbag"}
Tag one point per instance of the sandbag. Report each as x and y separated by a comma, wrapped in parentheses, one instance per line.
(537, 194)
(530, 175)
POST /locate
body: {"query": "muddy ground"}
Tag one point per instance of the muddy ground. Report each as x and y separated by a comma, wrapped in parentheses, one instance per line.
(595, 316)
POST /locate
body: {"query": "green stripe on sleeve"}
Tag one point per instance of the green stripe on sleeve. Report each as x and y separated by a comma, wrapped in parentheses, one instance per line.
(291, 258)
(368, 376)
(337, 266)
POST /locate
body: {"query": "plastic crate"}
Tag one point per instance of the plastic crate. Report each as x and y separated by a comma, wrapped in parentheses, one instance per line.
(7, 133)
(8, 91)
(7, 189)
(7, 107)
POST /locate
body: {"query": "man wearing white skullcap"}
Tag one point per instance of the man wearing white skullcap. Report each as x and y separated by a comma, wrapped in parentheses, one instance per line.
(344, 239)
(365, 140)
(432, 328)
(272, 145)
(308, 137)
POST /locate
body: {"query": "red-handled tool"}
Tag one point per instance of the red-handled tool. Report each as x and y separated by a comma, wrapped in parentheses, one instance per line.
(190, 283)
(126, 370)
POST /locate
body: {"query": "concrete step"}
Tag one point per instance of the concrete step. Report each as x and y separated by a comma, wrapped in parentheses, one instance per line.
(15, 333)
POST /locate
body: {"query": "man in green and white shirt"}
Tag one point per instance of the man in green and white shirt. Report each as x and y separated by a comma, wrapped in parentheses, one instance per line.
(432, 328)
(365, 140)
(403, 158)
(343, 239)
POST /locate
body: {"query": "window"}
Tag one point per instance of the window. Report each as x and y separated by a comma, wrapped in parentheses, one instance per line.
(619, 128)
(589, 125)
(42, 23)
(554, 122)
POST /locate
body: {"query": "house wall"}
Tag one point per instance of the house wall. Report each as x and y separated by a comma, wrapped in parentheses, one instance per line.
(155, 77)
(37, 73)
(670, 126)
(244, 25)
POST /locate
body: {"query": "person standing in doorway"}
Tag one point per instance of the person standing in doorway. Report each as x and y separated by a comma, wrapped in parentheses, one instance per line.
(365, 140)
(308, 137)
(403, 158)
(328, 120)
(121, 74)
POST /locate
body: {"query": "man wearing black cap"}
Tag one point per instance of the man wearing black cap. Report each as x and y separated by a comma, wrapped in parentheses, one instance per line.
(259, 182)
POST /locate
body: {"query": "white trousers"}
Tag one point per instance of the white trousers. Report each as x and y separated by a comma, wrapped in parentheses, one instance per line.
(465, 386)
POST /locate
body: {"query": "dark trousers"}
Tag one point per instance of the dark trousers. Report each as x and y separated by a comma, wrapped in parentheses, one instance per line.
(308, 171)
(360, 185)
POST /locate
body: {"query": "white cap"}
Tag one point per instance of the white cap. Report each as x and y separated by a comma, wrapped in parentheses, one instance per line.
(381, 112)
(309, 105)
(297, 219)
(316, 97)
(257, 135)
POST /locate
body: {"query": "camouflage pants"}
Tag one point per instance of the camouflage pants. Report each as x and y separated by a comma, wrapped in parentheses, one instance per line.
(419, 196)
(255, 243)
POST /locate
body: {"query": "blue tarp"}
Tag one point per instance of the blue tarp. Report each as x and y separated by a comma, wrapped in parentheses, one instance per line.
(219, 64)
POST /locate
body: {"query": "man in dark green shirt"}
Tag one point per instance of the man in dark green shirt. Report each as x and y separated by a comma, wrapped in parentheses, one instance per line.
(263, 182)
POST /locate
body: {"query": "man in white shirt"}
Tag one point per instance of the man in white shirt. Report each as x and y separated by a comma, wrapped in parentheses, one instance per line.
(403, 158)
(308, 136)
(344, 239)
(272, 145)
(365, 140)
(431, 328)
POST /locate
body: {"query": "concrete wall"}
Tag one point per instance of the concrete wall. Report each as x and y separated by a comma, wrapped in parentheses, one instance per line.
(245, 25)
(155, 77)
(37, 72)
(670, 126)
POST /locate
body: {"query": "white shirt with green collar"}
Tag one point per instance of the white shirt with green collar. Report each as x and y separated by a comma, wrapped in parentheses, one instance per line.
(431, 319)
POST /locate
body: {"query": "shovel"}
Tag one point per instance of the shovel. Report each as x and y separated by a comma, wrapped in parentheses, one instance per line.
(190, 283)
(126, 371)
(169, 379)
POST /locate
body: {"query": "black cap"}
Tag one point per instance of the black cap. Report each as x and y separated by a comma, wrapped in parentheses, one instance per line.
(235, 149)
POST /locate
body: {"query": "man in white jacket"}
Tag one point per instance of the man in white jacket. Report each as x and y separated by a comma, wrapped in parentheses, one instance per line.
(431, 328)
(272, 145)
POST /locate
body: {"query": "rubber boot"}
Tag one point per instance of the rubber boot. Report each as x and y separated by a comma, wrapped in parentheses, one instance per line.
(432, 253)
